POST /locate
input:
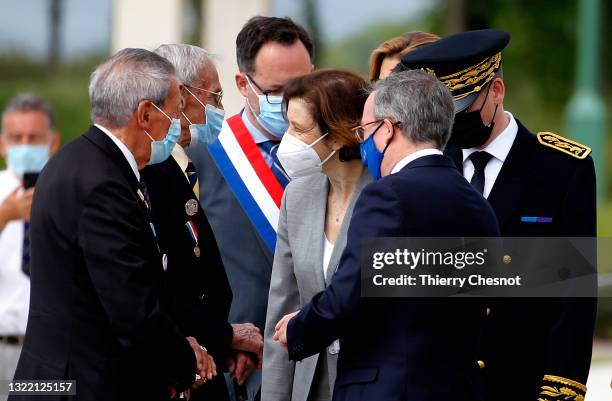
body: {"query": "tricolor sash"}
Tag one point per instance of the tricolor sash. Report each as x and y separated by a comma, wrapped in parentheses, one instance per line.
(249, 176)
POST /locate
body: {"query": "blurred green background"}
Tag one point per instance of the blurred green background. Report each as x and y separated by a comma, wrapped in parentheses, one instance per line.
(539, 69)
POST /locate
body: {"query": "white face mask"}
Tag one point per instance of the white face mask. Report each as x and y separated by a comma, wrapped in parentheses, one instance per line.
(298, 158)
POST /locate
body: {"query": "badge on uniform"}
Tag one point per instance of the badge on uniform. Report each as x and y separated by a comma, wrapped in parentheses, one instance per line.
(191, 207)
(194, 235)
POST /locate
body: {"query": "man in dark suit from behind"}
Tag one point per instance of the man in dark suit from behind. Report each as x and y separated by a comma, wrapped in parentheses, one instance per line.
(95, 315)
(197, 292)
(401, 349)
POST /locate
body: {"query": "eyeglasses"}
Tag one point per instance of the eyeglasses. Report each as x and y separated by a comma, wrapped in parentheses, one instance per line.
(217, 95)
(266, 92)
(360, 130)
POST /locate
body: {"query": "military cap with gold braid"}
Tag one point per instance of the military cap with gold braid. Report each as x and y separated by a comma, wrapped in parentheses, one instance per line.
(465, 62)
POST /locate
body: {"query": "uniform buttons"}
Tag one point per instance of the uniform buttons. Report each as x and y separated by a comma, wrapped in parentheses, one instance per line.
(481, 364)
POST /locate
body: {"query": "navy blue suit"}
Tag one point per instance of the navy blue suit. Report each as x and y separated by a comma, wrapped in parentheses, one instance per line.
(391, 349)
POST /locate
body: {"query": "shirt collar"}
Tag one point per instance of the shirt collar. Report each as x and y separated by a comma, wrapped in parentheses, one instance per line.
(257, 135)
(500, 147)
(180, 156)
(413, 156)
(124, 149)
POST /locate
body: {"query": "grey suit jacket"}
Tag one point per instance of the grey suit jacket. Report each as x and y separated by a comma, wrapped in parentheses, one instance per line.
(297, 275)
(247, 260)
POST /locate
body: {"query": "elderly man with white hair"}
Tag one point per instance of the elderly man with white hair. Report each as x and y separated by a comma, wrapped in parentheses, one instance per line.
(97, 267)
(197, 292)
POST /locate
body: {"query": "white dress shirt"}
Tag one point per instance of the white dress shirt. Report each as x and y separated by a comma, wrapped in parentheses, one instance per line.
(499, 149)
(124, 149)
(413, 156)
(14, 284)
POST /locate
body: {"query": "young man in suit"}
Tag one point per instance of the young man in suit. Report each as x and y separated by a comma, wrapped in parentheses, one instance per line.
(401, 348)
(241, 179)
(539, 185)
(197, 292)
(95, 314)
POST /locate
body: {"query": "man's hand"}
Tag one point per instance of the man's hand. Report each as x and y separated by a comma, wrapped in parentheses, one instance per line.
(280, 330)
(241, 366)
(248, 338)
(206, 366)
(16, 206)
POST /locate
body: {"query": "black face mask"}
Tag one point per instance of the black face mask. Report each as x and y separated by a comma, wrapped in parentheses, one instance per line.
(469, 131)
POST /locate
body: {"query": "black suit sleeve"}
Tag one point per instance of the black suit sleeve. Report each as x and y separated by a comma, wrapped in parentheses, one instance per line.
(117, 249)
(573, 319)
(378, 213)
(210, 331)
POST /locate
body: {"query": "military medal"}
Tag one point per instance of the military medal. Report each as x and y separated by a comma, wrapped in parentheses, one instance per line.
(194, 235)
(191, 207)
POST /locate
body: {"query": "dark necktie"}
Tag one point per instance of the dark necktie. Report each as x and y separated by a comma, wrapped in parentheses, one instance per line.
(192, 176)
(479, 160)
(271, 147)
(25, 257)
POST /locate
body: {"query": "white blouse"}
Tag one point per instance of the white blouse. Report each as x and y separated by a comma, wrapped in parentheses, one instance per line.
(328, 248)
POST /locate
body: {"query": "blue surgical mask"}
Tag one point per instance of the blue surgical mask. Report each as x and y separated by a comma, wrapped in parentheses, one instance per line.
(206, 133)
(27, 158)
(161, 150)
(271, 115)
(371, 157)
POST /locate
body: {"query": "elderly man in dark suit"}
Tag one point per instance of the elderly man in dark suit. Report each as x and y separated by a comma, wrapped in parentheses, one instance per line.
(95, 314)
(401, 349)
(241, 179)
(197, 292)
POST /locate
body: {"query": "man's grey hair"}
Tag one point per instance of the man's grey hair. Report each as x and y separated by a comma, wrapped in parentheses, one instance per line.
(188, 60)
(119, 84)
(420, 102)
(25, 102)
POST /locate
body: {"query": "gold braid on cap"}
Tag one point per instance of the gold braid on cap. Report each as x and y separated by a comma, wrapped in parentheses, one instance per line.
(481, 74)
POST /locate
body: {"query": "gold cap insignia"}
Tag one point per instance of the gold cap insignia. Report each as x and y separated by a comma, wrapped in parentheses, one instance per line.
(555, 141)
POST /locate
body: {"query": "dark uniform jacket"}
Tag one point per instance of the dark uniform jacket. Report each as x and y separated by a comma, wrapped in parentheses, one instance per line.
(537, 346)
(197, 293)
(95, 315)
(401, 349)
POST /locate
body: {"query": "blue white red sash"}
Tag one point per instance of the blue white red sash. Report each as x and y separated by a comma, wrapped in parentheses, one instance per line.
(249, 176)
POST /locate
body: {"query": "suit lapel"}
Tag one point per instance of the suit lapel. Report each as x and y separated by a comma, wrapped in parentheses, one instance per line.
(102, 140)
(340, 245)
(318, 206)
(513, 183)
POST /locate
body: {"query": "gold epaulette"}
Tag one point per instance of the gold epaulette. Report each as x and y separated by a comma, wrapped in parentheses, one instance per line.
(559, 388)
(555, 141)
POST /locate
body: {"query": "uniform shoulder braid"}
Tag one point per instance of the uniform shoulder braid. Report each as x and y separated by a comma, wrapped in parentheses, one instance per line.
(562, 144)
(561, 388)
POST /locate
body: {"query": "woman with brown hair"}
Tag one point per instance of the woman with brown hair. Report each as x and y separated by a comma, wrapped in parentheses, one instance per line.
(321, 154)
(388, 54)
